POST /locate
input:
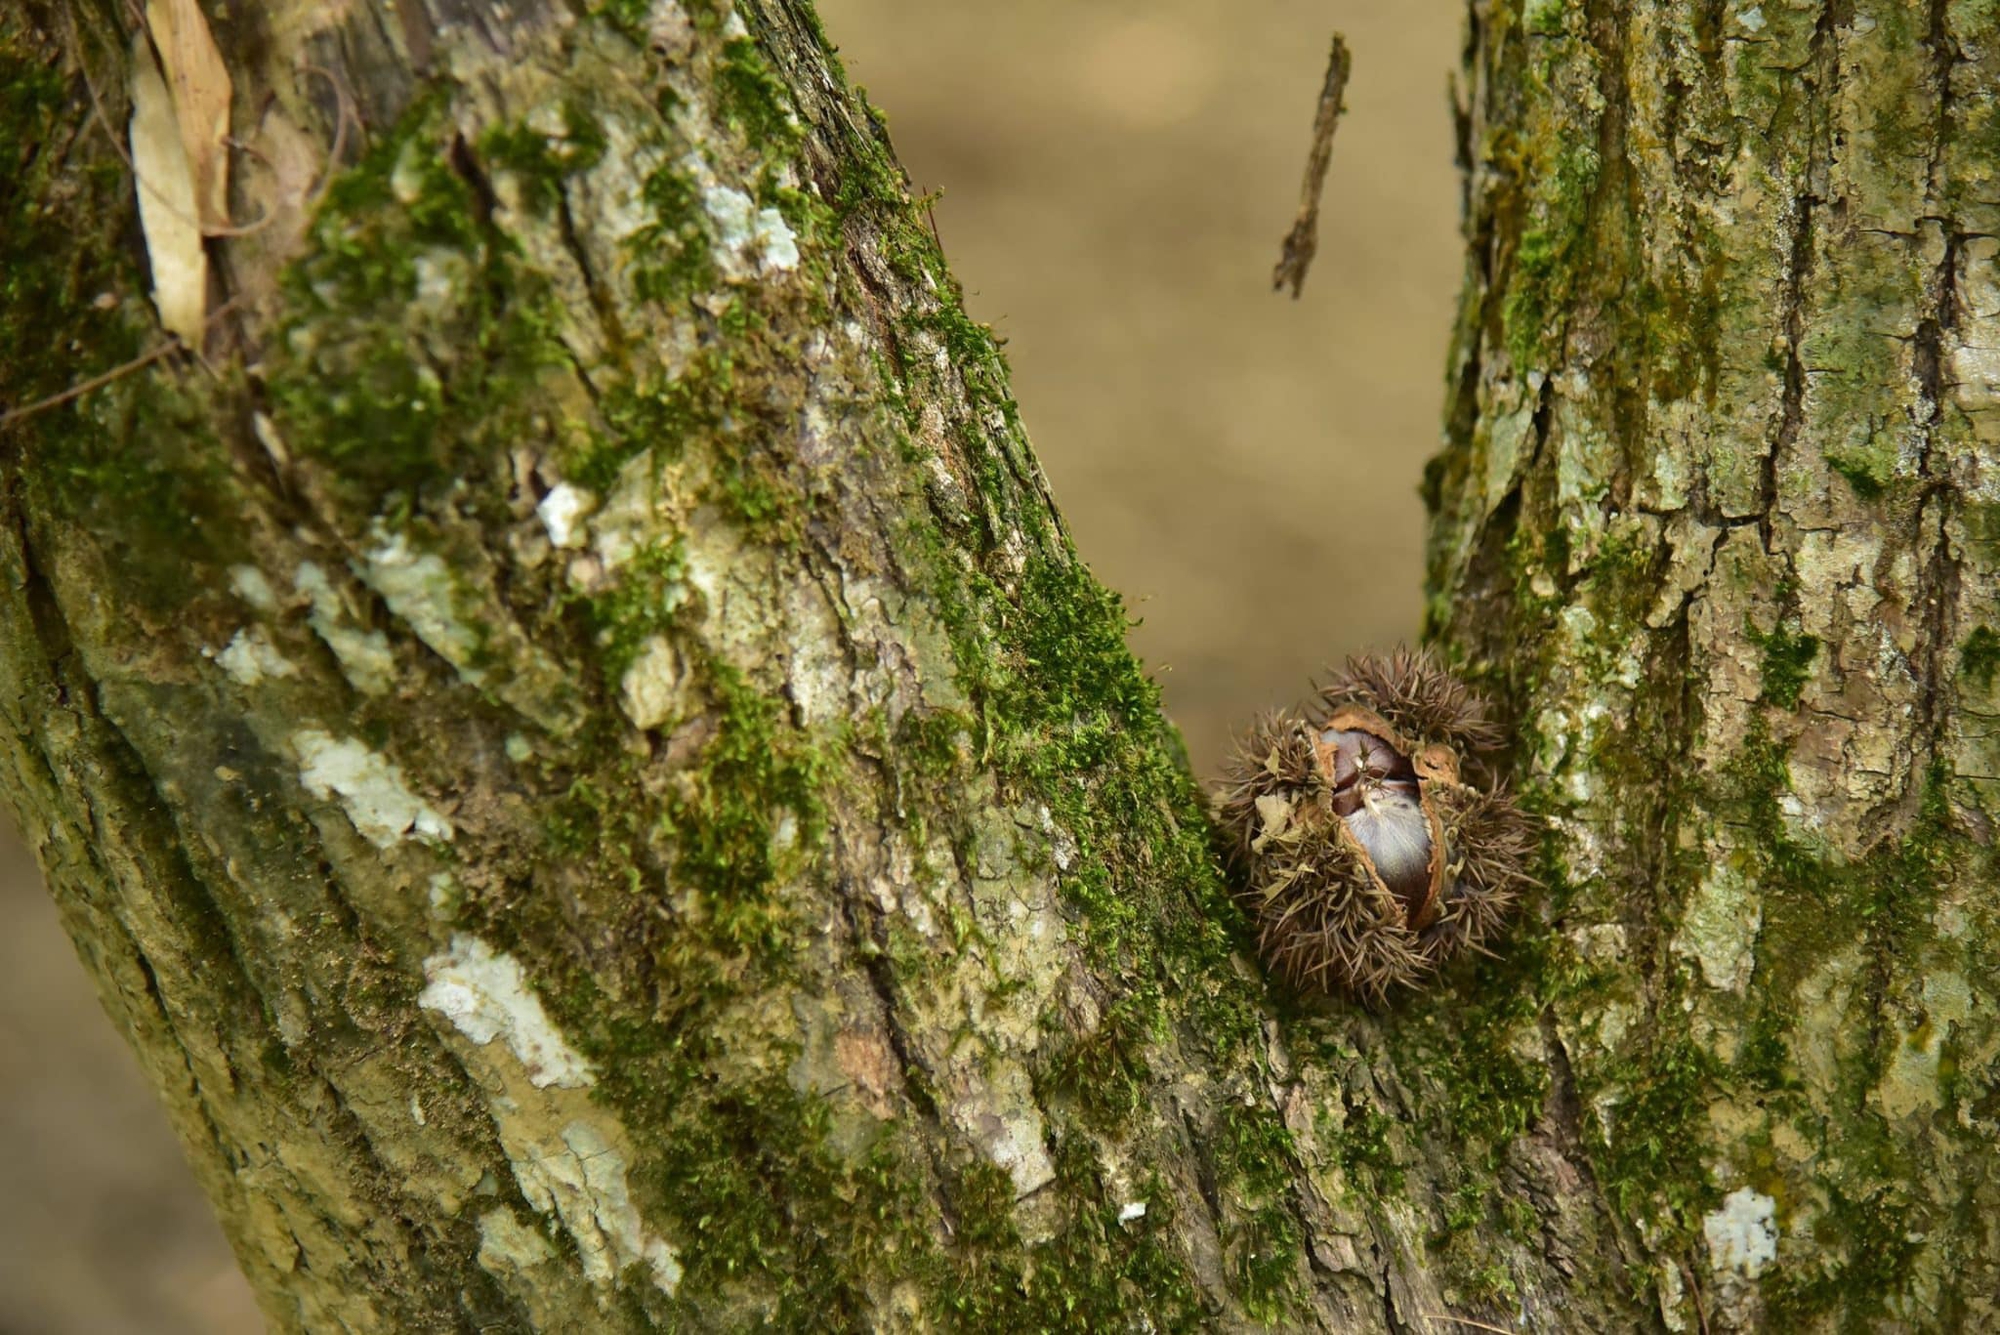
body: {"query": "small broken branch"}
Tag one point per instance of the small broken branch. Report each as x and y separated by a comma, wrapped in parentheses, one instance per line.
(1302, 242)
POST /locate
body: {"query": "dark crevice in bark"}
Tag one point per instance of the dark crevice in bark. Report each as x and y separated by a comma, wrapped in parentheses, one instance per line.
(872, 950)
(1944, 56)
(1937, 501)
(600, 299)
(1791, 417)
(1204, 1178)
(1614, 212)
(1565, 1120)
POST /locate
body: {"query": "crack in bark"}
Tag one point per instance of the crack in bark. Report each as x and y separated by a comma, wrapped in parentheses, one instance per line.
(872, 950)
(1938, 496)
(1791, 420)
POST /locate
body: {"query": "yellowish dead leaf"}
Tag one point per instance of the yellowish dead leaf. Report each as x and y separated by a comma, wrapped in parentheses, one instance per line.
(167, 213)
(199, 82)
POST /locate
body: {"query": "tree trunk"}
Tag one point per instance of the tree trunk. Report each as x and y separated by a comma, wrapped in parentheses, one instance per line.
(1719, 509)
(574, 743)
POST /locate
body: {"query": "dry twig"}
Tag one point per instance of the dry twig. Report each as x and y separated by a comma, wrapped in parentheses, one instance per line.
(1302, 242)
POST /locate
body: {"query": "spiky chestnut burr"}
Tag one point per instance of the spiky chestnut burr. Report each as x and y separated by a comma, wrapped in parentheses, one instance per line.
(1366, 846)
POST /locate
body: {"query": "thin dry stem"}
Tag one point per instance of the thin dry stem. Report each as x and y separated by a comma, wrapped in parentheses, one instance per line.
(1302, 242)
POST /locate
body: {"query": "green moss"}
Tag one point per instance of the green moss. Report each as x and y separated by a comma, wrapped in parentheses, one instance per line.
(1544, 18)
(661, 417)
(755, 772)
(647, 601)
(414, 339)
(1787, 665)
(1104, 1075)
(1979, 657)
(1814, 908)
(47, 282)
(1253, 1151)
(1874, 1232)
(1868, 472)
(754, 100)
(137, 461)
(543, 162)
(1365, 1150)
(631, 18)
(671, 260)
(1551, 253)
(1665, 1087)
(1484, 1094)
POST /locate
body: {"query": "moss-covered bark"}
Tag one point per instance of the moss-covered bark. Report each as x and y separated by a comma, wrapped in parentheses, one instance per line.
(1717, 515)
(576, 747)
(573, 739)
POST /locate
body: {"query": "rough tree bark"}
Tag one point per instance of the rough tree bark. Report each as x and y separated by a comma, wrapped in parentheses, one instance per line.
(575, 745)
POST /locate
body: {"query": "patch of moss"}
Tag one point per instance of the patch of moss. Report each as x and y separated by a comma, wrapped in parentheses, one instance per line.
(1253, 1151)
(542, 162)
(1787, 666)
(1815, 907)
(754, 100)
(671, 260)
(413, 338)
(756, 772)
(137, 460)
(1665, 1087)
(1551, 252)
(1867, 472)
(1874, 1233)
(1979, 657)
(1365, 1150)
(647, 601)
(659, 417)
(1103, 1075)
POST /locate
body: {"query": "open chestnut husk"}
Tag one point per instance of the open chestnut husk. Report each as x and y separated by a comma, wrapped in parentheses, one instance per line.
(1368, 844)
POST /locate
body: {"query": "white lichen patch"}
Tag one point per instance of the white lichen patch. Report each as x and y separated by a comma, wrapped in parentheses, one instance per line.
(1742, 1233)
(1719, 929)
(371, 788)
(775, 240)
(419, 588)
(1131, 1211)
(249, 584)
(584, 1181)
(1000, 1117)
(251, 659)
(485, 995)
(653, 690)
(748, 240)
(507, 1246)
(569, 1156)
(562, 512)
(364, 656)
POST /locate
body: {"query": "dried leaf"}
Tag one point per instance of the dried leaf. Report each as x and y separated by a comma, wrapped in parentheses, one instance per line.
(199, 82)
(166, 201)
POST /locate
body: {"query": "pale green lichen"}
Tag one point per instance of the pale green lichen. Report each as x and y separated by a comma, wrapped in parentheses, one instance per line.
(371, 788)
(364, 655)
(251, 659)
(485, 995)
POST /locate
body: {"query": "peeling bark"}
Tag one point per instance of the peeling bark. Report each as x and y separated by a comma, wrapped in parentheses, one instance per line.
(575, 745)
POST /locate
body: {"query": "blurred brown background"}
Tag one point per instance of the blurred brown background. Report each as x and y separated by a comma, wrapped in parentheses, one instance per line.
(1116, 179)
